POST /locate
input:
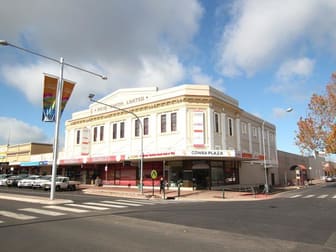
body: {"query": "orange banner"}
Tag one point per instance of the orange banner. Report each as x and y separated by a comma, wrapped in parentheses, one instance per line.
(49, 97)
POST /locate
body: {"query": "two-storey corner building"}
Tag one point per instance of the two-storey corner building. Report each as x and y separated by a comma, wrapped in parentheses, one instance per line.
(189, 132)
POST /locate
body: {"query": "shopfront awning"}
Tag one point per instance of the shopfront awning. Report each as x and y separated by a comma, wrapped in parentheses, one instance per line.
(300, 167)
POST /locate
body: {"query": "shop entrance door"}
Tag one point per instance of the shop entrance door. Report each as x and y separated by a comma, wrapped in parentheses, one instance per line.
(202, 178)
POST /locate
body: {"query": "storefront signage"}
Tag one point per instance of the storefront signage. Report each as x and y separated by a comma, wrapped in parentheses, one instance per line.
(214, 153)
(35, 163)
(198, 128)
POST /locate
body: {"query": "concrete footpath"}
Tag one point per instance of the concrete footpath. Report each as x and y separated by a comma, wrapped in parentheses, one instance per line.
(174, 194)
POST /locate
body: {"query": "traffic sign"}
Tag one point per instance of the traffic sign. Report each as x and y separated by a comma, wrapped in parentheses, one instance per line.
(154, 174)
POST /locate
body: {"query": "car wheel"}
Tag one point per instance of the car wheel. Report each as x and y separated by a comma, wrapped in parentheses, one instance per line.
(58, 188)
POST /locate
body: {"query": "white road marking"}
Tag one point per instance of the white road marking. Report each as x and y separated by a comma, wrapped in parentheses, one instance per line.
(104, 205)
(16, 216)
(68, 209)
(296, 196)
(309, 196)
(42, 211)
(137, 201)
(334, 197)
(322, 196)
(88, 207)
(121, 203)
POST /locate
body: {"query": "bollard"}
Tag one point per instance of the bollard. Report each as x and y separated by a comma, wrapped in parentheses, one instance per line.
(178, 189)
(223, 193)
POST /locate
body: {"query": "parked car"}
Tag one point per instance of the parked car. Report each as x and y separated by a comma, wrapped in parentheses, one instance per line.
(37, 183)
(3, 179)
(13, 180)
(329, 179)
(61, 183)
(28, 182)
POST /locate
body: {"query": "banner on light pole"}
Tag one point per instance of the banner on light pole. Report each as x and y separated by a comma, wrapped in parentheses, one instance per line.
(49, 96)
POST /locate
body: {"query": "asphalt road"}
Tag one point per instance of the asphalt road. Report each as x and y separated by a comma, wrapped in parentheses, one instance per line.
(300, 220)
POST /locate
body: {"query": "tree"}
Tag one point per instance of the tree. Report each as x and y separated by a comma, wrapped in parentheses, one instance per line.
(317, 132)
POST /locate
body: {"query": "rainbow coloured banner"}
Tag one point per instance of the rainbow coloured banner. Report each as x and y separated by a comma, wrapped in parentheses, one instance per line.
(49, 97)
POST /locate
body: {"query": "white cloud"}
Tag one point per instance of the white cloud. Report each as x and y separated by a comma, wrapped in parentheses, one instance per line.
(291, 79)
(15, 131)
(134, 43)
(199, 77)
(302, 67)
(261, 32)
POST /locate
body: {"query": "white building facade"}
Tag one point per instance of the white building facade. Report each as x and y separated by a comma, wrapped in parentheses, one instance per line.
(190, 133)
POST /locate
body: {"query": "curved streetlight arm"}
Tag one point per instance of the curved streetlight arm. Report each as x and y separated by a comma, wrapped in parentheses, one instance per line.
(6, 43)
(91, 98)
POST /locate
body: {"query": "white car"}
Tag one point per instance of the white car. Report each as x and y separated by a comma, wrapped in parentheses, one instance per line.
(37, 183)
(28, 182)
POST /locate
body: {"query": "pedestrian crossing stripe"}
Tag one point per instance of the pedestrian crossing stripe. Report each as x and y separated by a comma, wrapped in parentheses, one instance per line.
(137, 201)
(295, 196)
(16, 216)
(121, 203)
(67, 209)
(42, 211)
(88, 207)
(309, 196)
(322, 196)
(104, 205)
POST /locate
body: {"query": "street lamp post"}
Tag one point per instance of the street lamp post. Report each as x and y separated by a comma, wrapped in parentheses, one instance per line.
(58, 105)
(91, 97)
(264, 152)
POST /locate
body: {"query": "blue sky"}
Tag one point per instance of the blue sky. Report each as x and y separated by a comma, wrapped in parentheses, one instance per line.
(267, 54)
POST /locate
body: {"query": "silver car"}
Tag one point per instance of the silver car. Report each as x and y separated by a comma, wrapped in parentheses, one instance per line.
(28, 182)
(3, 179)
(37, 183)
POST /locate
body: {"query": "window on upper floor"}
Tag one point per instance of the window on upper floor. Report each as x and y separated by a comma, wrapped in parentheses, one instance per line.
(78, 135)
(122, 130)
(163, 123)
(95, 134)
(254, 132)
(137, 128)
(101, 135)
(216, 122)
(244, 128)
(98, 134)
(146, 126)
(230, 126)
(114, 131)
(173, 122)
